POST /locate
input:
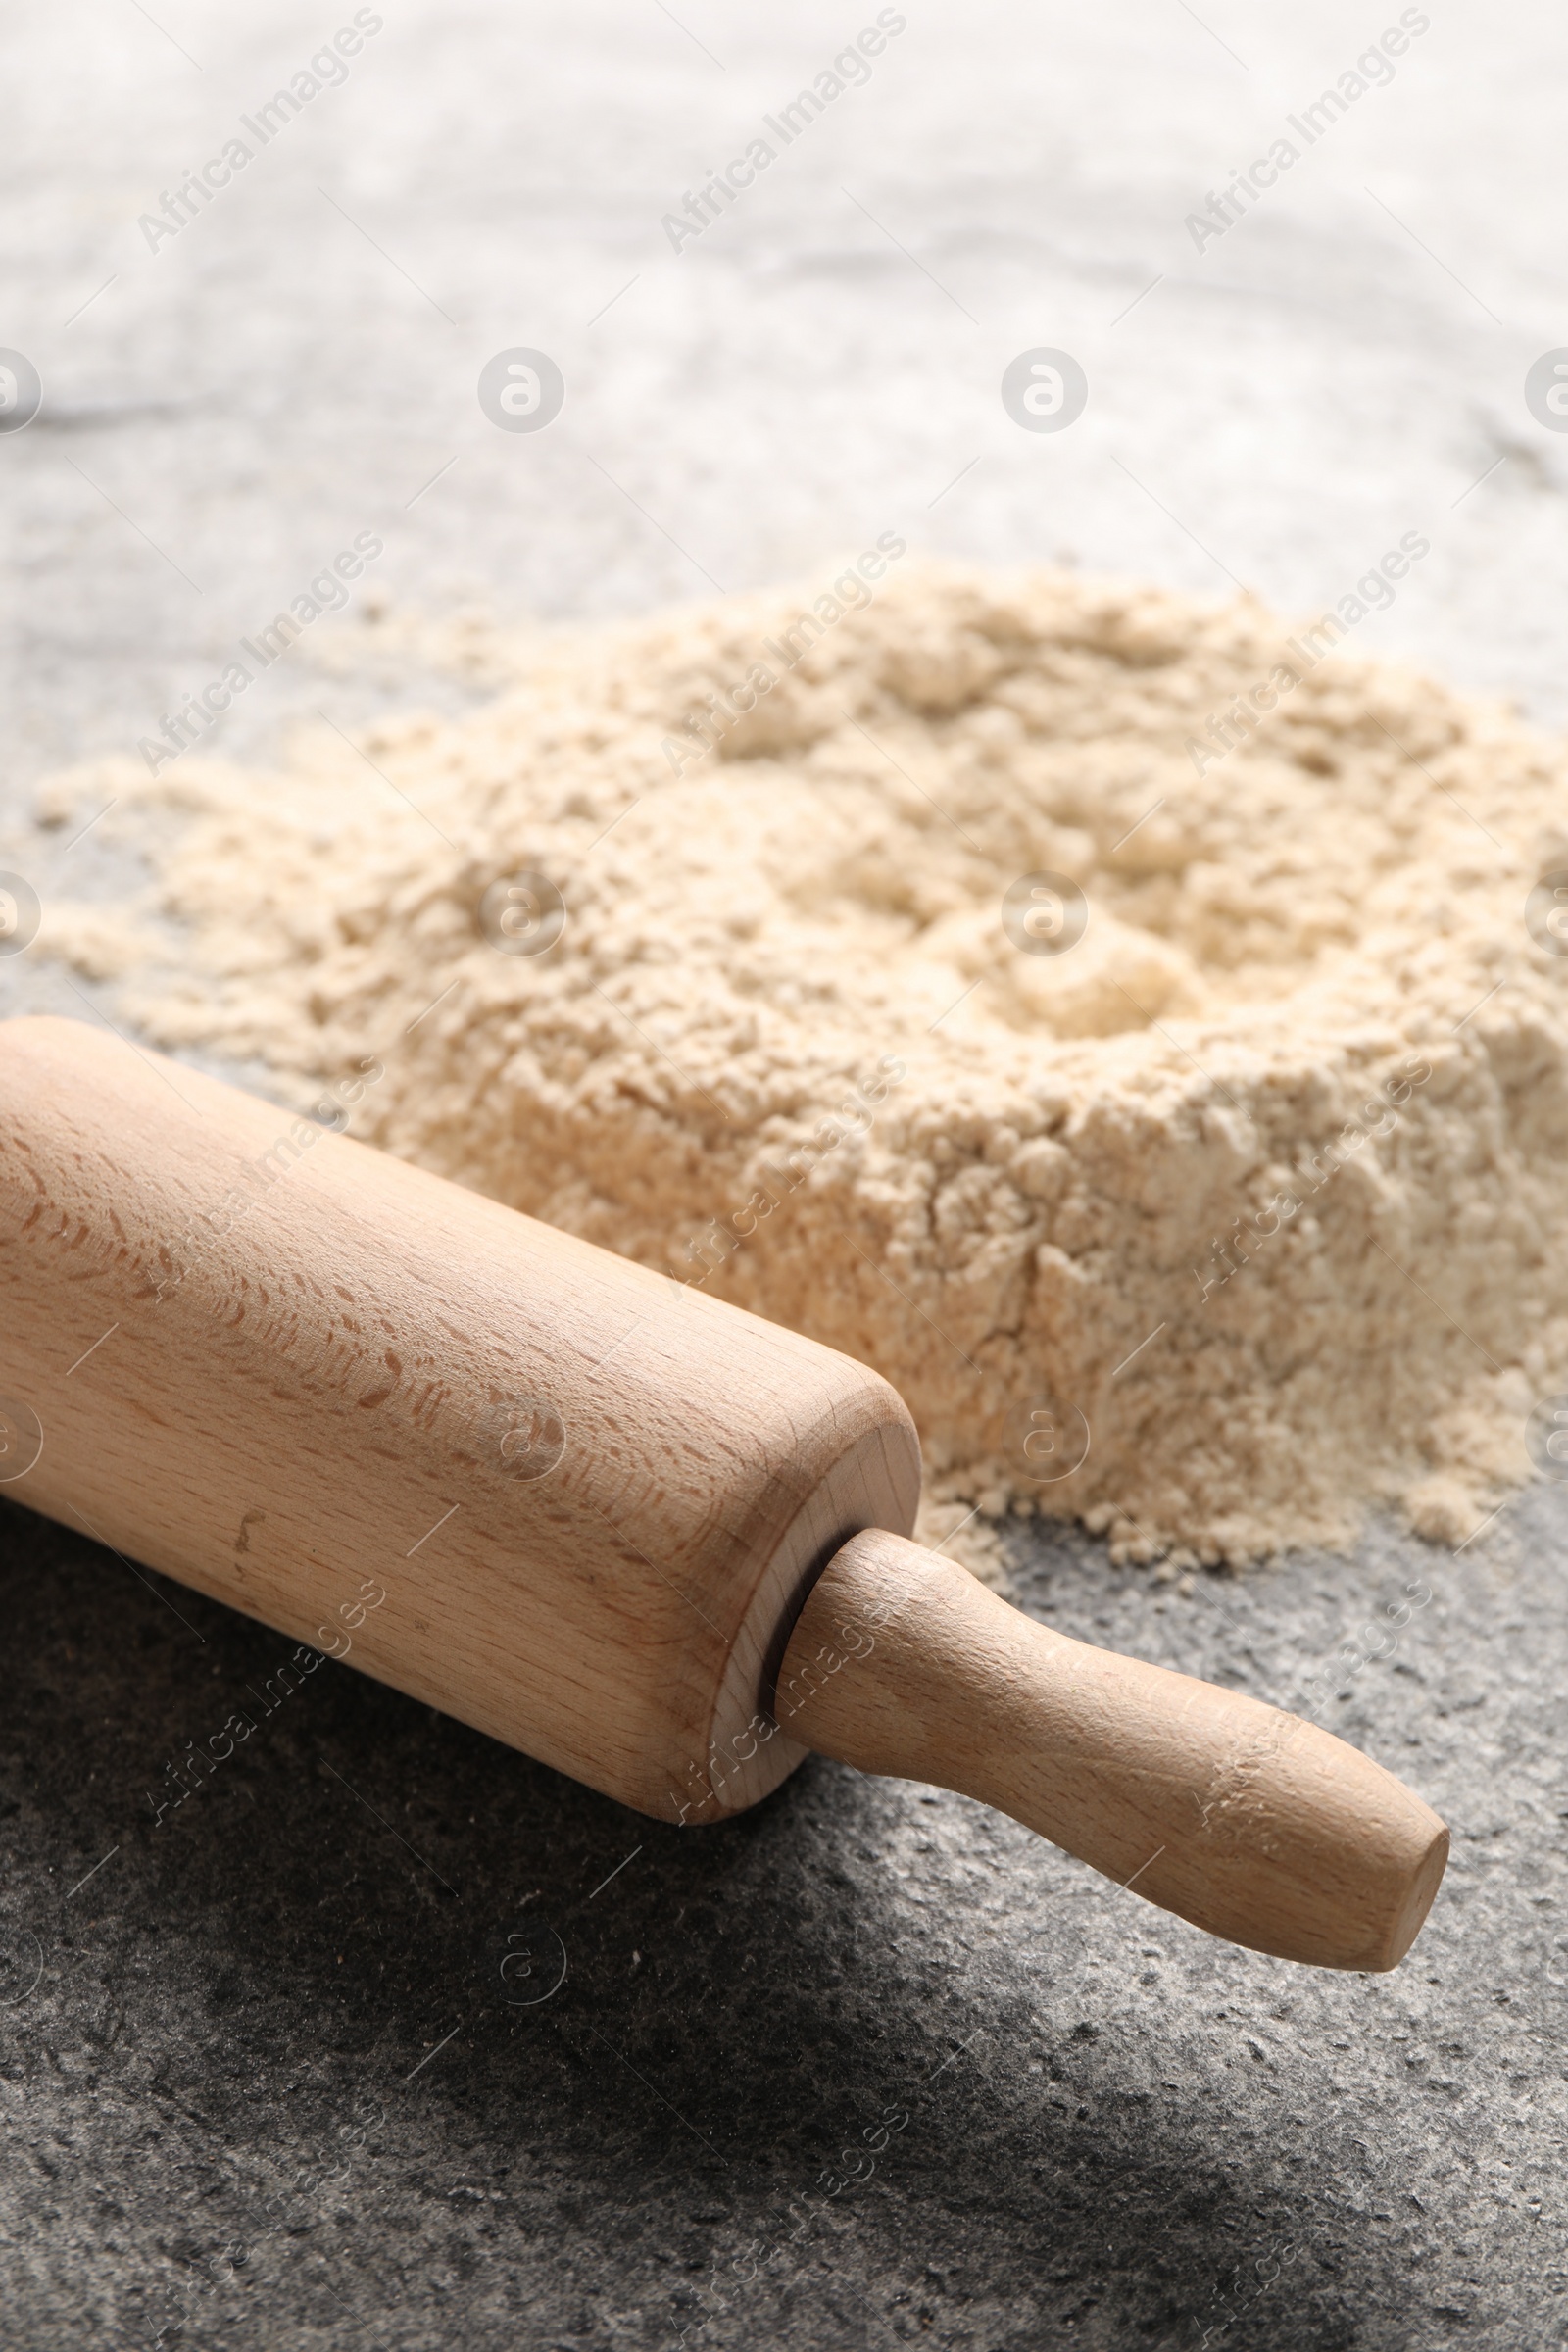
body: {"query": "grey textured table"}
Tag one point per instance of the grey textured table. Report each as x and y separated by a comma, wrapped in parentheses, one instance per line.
(392, 2038)
(298, 2063)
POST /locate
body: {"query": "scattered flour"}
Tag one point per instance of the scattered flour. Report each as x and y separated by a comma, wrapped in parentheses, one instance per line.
(1259, 1189)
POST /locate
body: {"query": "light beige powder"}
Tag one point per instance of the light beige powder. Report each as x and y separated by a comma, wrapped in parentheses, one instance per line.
(1259, 1189)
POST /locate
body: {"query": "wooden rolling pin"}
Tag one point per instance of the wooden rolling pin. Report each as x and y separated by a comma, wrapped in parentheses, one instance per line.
(651, 1540)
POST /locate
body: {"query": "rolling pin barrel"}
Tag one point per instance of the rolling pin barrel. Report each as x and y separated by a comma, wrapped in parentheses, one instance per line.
(651, 1540)
(278, 1366)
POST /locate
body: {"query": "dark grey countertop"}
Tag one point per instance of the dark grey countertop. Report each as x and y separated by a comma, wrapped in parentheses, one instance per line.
(391, 2037)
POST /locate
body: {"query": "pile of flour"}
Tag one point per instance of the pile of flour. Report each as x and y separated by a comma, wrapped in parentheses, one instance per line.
(1211, 1190)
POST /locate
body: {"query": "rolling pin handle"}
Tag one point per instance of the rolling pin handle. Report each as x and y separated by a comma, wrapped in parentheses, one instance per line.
(1255, 1825)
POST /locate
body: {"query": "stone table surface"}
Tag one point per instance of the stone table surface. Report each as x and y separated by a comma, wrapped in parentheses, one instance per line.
(868, 2066)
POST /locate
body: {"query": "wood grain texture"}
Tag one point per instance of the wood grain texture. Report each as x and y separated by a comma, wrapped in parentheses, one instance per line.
(278, 1365)
(1248, 1822)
